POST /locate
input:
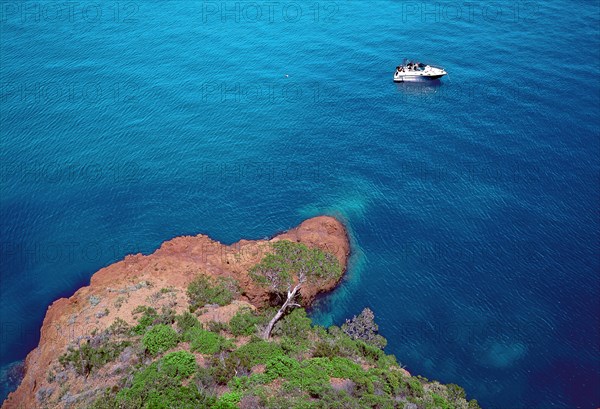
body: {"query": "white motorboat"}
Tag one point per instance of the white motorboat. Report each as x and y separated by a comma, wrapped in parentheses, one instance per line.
(417, 71)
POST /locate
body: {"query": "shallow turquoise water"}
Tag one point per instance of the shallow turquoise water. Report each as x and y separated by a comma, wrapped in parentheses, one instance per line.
(472, 203)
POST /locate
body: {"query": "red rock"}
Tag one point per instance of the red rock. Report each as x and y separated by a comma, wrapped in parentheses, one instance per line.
(175, 264)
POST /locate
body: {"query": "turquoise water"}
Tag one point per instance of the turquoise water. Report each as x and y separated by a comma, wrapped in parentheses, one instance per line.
(472, 203)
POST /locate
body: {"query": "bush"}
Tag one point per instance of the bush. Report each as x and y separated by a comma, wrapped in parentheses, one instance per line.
(370, 352)
(281, 367)
(205, 342)
(416, 388)
(259, 351)
(187, 321)
(87, 358)
(440, 402)
(153, 387)
(205, 378)
(205, 290)
(294, 325)
(326, 349)
(376, 401)
(180, 364)
(166, 316)
(228, 400)
(364, 328)
(244, 322)
(118, 327)
(311, 377)
(248, 383)
(228, 366)
(216, 327)
(160, 338)
(455, 392)
(149, 316)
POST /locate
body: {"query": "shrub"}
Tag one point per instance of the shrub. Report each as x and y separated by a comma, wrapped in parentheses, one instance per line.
(244, 322)
(416, 388)
(153, 387)
(473, 404)
(215, 326)
(118, 327)
(364, 328)
(228, 400)
(344, 368)
(294, 325)
(281, 367)
(205, 290)
(160, 338)
(205, 378)
(166, 316)
(259, 351)
(376, 401)
(180, 364)
(87, 358)
(370, 352)
(326, 349)
(187, 321)
(311, 377)
(149, 316)
(248, 383)
(205, 342)
(455, 392)
(228, 366)
(351, 348)
(440, 402)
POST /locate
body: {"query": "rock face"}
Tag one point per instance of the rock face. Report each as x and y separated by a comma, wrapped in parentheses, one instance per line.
(116, 290)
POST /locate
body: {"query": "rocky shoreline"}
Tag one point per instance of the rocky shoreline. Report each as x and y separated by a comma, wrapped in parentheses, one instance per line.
(116, 290)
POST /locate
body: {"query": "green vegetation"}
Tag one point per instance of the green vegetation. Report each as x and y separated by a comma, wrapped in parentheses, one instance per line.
(89, 358)
(187, 321)
(328, 368)
(294, 325)
(290, 261)
(176, 362)
(156, 387)
(244, 322)
(180, 364)
(258, 351)
(286, 270)
(205, 290)
(205, 342)
(159, 338)
(363, 327)
(149, 315)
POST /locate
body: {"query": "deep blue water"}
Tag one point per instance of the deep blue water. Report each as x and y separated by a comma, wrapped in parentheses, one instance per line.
(472, 204)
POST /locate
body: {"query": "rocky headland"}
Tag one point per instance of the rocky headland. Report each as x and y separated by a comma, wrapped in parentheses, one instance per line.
(115, 291)
(199, 324)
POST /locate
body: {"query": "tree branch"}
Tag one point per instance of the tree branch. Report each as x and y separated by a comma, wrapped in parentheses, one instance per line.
(290, 302)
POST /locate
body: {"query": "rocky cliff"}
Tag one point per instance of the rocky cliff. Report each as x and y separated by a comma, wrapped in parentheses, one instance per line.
(160, 280)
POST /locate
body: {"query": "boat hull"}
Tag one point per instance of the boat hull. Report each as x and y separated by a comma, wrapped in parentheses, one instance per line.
(416, 78)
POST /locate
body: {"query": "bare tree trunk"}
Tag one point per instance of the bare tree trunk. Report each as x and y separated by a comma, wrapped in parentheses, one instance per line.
(291, 295)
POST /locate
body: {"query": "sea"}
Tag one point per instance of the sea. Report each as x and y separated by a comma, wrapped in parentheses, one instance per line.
(471, 202)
